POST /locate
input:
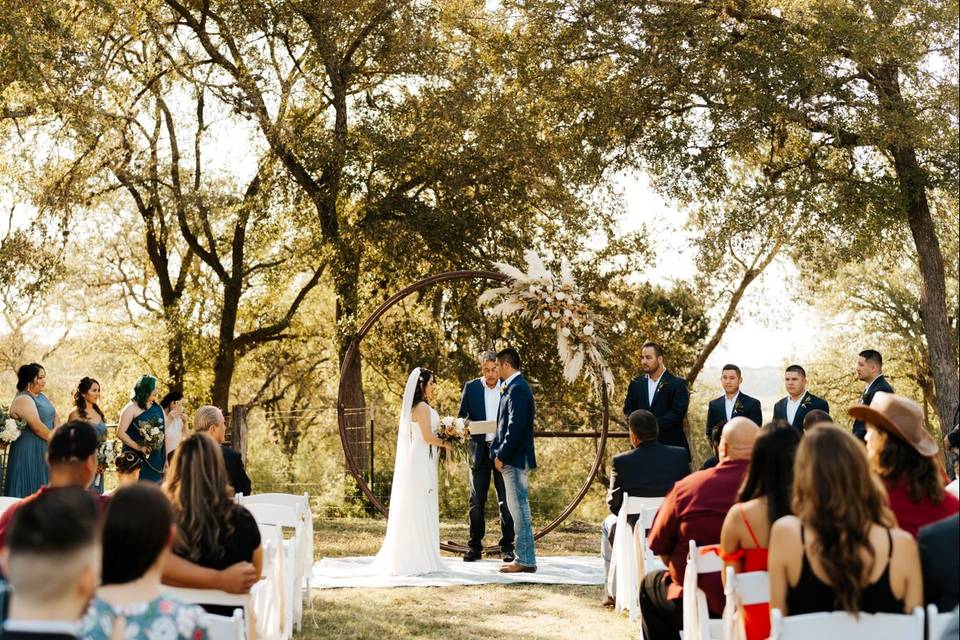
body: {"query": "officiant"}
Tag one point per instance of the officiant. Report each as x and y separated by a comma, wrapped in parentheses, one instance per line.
(479, 403)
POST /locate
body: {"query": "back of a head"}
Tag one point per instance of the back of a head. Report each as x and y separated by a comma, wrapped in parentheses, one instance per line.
(170, 398)
(737, 438)
(72, 443)
(206, 417)
(53, 540)
(643, 425)
(196, 484)
(136, 531)
(816, 416)
(836, 497)
(771, 468)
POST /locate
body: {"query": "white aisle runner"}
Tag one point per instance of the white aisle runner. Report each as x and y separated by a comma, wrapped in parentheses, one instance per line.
(332, 573)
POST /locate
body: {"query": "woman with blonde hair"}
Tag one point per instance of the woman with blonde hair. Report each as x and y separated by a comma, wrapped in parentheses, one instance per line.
(841, 550)
(214, 531)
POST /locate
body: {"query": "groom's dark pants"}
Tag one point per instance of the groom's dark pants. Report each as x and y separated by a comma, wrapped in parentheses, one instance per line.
(480, 473)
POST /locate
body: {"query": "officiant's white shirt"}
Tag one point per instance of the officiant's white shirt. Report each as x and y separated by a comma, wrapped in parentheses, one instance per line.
(793, 405)
(729, 402)
(491, 403)
(652, 386)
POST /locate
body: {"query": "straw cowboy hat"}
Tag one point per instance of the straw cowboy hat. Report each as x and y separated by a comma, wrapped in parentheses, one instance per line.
(900, 416)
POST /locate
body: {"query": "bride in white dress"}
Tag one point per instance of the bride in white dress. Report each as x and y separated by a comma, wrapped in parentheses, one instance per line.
(412, 544)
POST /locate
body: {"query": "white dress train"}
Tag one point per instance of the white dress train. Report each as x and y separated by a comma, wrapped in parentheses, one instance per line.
(412, 544)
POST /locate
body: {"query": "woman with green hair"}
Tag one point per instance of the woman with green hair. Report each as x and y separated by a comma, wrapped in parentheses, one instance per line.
(141, 415)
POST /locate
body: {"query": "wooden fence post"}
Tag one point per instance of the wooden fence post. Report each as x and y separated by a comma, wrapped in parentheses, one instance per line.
(238, 429)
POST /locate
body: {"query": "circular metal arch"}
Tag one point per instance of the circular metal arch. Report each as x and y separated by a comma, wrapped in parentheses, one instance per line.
(354, 349)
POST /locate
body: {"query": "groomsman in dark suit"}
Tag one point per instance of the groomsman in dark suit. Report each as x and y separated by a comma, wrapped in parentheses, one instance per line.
(662, 394)
(733, 402)
(479, 402)
(869, 370)
(798, 401)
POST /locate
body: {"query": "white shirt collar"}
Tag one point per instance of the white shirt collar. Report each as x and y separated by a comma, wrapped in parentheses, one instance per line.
(510, 379)
(496, 387)
(42, 626)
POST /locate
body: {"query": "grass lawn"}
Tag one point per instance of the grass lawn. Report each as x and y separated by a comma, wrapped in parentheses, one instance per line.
(459, 613)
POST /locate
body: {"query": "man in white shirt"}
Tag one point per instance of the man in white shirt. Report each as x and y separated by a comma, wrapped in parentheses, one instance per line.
(479, 402)
(733, 402)
(869, 370)
(799, 401)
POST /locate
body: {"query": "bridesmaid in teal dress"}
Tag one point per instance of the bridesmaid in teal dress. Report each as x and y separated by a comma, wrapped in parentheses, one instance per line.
(27, 468)
(141, 409)
(85, 400)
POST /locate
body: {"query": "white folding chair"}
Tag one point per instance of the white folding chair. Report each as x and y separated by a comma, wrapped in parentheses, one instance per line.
(742, 589)
(626, 564)
(7, 502)
(242, 601)
(840, 624)
(305, 549)
(223, 627)
(697, 624)
(283, 577)
(267, 595)
(937, 622)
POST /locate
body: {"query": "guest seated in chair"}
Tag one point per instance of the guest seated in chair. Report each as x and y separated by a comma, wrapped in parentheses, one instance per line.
(693, 510)
(52, 561)
(137, 538)
(210, 420)
(906, 457)
(940, 554)
(764, 497)
(214, 531)
(649, 470)
(842, 551)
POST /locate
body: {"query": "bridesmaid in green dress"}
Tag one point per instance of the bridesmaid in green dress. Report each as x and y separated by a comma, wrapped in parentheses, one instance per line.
(85, 400)
(27, 468)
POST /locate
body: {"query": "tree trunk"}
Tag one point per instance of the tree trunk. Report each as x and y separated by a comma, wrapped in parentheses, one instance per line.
(348, 305)
(226, 361)
(175, 365)
(933, 306)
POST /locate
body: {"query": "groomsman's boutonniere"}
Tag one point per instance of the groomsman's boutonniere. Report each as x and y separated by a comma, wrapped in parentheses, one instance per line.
(660, 384)
(738, 406)
(806, 401)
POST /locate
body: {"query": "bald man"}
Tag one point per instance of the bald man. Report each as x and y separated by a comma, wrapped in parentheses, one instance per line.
(694, 510)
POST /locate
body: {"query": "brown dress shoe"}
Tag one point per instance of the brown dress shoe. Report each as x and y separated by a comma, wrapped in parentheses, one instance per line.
(608, 602)
(516, 567)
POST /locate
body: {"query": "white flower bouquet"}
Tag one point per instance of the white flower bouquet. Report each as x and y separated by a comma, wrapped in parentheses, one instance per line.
(152, 433)
(11, 428)
(107, 452)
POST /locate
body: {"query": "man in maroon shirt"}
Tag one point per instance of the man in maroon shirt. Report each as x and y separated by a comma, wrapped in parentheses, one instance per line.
(693, 510)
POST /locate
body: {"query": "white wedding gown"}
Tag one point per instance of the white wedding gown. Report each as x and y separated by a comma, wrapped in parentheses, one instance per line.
(412, 544)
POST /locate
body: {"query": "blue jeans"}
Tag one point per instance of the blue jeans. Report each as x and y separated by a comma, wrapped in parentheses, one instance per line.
(517, 487)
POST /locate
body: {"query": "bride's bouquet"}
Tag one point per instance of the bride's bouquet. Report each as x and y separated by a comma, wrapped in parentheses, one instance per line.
(10, 428)
(456, 431)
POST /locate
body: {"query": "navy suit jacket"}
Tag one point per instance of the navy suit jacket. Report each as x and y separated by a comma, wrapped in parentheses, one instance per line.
(880, 384)
(473, 406)
(513, 443)
(648, 471)
(808, 403)
(669, 403)
(744, 406)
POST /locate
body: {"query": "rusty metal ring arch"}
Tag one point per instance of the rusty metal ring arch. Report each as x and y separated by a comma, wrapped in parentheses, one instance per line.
(352, 352)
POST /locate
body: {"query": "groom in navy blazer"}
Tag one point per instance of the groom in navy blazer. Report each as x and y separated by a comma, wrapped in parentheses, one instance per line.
(733, 402)
(513, 456)
(670, 396)
(480, 401)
